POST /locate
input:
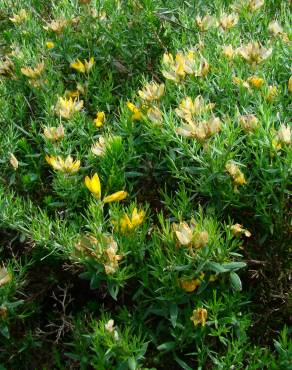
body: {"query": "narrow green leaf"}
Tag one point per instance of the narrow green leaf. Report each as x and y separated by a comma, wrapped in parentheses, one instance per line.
(214, 266)
(167, 346)
(234, 265)
(173, 310)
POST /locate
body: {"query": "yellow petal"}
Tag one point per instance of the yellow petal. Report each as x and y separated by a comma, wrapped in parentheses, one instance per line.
(190, 285)
(96, 187)
(50, 45)
(87, 182)
(290, 85)
(126, 223)
(5, 277)
(119, 195)
(78, 65)
(13, 161)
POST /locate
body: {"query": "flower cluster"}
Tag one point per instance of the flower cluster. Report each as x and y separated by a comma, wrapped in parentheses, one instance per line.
(67, 165)
(66, 108)
(191, 285)
(129, 223)
(94, 186)
(190, 111)
(235, 173)
(190, 235)
(83, 67)
(33, 74)
(103, 249)
(189, 63)
(199, 316)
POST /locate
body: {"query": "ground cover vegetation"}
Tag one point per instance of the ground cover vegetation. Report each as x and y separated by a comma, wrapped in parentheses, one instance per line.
(145, 185)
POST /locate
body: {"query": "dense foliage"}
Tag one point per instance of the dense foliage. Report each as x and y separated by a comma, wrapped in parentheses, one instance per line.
(146, 161)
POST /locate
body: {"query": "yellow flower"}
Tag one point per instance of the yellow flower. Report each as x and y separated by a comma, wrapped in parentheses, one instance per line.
(151, 91)
(109, 326)
(228, 21)
(129, 224)
(100, 119)
(154, 114)
(33, 72)
(19, 18)
(13, 161)
(204, 68)
(276, 144)
(199, 316)
(167, 59)
(272, 93)
(101, 16)
(189, 108)
(248, 122)
(184, 63)
(238, 230)
(119, 195)
(200, 239)
(137, 115)
(284, 135)
(174, 70)
(253, 52)
(251, 5)
(6, 66)
(78, 65)
(89, 64)
(238, 81)
(80, 90)
(290, 85)
(256, 82)
(187, 235)
(212, 278)
(189, 61)
(83, 67)
(275, 28)
(234, 171)
(54, 133)
(200, 130)
(228, 51)
(72, 94)
(50, 44)
(98, 148)
(67, 107)
(207, 22)
(104, 250)
(59, 164)
(5, 276)
(254, 5)
(184, 232)
(93, 184)
(56, 25)
(191, 285)
(112, 258)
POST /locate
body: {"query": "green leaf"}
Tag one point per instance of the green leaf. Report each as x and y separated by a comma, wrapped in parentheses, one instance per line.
(234, 265)
(167, 346)
(182, 268)
(132, 363)
(94, 282)
(235, 281)
(173, 310)
(5, 331)
(214, 266)
(113, 290)
(182, 363)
